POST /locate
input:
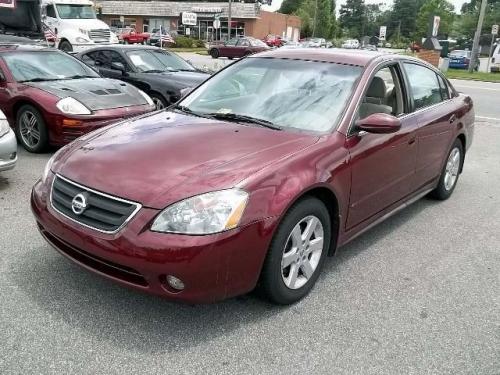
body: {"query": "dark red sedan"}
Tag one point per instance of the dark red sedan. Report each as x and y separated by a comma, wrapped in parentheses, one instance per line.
(238, 47)
(52, 98)
(256, 176)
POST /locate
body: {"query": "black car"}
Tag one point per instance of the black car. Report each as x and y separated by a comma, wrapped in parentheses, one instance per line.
(162, 74)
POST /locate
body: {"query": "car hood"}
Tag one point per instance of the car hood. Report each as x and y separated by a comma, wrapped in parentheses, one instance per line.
(181, 78)
(94, 93)
(86, 23)
(165, 157)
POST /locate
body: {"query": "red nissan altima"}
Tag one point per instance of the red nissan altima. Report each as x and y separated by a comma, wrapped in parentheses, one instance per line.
(256, 176)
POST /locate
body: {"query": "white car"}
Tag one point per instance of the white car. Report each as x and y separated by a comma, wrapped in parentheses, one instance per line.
(8, 145)
(495, 60)
(351, 44)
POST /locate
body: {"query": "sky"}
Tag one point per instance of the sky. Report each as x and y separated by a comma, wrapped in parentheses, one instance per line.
(277, 3)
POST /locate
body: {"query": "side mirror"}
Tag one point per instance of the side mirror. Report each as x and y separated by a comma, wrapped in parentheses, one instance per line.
(2, 77)
(118, 66)
(379, 123)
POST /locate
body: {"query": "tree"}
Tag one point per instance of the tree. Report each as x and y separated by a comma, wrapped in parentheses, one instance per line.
(352, 17)
(465, 24)
(403, 17)
(317, 16)
(429, 8)
(290, 6)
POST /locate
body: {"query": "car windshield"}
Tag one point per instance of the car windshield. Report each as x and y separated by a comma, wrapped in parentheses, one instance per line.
(157, 60)
(46, 66)
(459, 53)
(304, 95)
(74, 11)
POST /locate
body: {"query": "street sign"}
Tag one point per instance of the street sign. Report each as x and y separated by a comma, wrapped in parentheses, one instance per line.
(435, 25)
(188, 18)
(217, 24)
(382, 32)
(188, 31)
(494, 30)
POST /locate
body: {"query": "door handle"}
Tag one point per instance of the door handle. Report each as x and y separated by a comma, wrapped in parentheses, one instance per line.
(452, 118)
(411, 141)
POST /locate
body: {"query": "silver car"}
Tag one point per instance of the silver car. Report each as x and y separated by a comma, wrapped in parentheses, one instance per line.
(8, 145)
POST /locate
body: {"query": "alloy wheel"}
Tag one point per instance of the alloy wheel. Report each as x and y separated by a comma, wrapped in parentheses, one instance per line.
(302, 252)
(29, 129)
(158, 103)
(452, 168)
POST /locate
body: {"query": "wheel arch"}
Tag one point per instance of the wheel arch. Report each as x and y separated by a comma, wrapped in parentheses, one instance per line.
(463, 140)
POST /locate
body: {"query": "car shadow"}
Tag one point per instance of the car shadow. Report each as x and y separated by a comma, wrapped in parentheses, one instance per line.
(134, 321)
(4, 183)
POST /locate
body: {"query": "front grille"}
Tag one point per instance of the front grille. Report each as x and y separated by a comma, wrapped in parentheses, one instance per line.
(100, 35)
(102, 212)
(97, 263)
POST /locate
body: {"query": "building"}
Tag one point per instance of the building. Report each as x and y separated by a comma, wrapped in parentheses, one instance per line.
(246, 18)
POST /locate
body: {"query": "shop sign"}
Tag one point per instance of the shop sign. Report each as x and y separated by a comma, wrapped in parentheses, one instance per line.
(188, 18)
(207, 9)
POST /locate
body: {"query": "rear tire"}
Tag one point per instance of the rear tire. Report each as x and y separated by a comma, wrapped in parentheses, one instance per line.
(214, 53)
(31, 130)
(450, 173)
(297, 252)
(159, 100)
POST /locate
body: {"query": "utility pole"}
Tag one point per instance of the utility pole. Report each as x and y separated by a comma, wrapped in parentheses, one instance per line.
(229, 20)
(315, 19)
(477, 35)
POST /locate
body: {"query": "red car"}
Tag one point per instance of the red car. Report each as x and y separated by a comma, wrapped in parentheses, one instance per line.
(254, 182)
(273, 40)
(238, 47)
(52, 98)
(131, 36)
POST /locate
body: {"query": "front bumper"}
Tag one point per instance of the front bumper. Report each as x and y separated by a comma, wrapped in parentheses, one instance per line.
(62, 134)
(212, 267)
(8, 151)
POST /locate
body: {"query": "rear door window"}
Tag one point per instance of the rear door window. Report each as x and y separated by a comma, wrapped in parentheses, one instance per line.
(424, 86)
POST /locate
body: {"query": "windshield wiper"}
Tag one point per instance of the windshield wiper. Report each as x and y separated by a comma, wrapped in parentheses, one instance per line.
(185, 109)
(244, 118)
(40, 79)
(159, 71)
(79, 76)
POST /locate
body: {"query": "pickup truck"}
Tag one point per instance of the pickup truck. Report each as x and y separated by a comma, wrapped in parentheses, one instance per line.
(131, 36)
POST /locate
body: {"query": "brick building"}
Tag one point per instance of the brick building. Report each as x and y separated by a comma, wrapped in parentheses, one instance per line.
(246, 18)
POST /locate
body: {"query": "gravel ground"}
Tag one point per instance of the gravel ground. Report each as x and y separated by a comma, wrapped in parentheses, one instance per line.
(419, 294)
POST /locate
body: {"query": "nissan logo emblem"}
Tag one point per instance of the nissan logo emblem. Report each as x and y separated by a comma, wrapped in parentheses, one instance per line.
(79, 203)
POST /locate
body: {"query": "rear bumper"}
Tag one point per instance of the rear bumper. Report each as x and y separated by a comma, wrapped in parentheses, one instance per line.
(212, 267)
(8, 151)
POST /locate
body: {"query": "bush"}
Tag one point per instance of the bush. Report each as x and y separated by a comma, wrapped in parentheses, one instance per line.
(186, 42)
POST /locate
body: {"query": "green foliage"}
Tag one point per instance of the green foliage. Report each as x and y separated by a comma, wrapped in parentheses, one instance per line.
(403, 17)
(352, 17)
(187, 42)
(290, 6)
(466, 23)
(429, 8)
(318, 18)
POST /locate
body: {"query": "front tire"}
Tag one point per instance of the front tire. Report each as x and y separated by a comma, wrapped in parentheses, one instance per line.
(450, 173)
(297, 252)
(214, 53)
(65, 46)
(159, 101)
(31, 129)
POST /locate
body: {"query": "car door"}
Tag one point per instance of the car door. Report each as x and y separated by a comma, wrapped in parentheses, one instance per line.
(382, 165)
(241, 47)
(50, 17)
(108, 62)
(436, 117)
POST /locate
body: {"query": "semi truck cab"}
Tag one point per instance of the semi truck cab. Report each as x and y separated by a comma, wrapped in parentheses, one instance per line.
(75, 24)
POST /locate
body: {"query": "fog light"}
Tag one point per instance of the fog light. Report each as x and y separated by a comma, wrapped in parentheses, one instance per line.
(12, 156)
(175, 283)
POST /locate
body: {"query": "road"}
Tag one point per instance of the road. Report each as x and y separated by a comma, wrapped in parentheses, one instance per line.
(418, 294)
(486, 97)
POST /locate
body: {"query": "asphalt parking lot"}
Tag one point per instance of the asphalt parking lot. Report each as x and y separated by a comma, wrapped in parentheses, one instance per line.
(419, 294)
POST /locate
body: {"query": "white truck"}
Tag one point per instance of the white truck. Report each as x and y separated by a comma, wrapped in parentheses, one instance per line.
(71, 24)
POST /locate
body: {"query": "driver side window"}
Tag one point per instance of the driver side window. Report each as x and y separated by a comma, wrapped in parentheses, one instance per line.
(384, 94)
(50, 11)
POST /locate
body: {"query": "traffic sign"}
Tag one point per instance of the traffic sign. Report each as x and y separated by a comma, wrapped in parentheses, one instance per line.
(494, 30)
(382, 32)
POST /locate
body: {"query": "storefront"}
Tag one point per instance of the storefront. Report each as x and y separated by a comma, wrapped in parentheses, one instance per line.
(211, 19)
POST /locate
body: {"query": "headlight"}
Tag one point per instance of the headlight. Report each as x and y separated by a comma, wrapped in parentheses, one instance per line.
(203, 214)
(146, 97)
(82, 40)
(48, 166)
(71, 106)
(4, 125)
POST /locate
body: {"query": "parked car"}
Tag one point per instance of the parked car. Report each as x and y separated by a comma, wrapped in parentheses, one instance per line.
(256, 176)
(238, 47)
(161, 74)
(8, 145)
(50, 97)
(368, 47)
(495, 60)
(459, 59)
(315, 42)
(351, 44)
(293, 45)
(131, 36)
(273, 40)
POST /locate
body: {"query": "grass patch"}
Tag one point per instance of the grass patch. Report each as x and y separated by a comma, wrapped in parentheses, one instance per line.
(476, 76)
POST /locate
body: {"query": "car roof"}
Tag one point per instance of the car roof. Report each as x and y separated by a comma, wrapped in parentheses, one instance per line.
(10, 47)
(333, 55)
(121, 47)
